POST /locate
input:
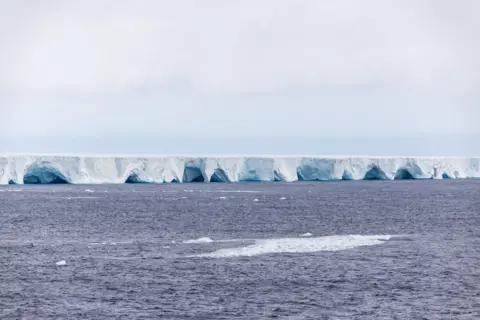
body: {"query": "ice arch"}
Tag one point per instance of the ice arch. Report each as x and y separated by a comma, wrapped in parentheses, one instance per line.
(278, 176)
(449, 175)
(193, 174)
(347, 175)
(44, 173)
(375, 173)
(403, 174)
(134, 177)
(219, 175)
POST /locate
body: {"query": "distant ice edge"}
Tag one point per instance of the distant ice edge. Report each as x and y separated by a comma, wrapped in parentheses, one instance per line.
(168, 169)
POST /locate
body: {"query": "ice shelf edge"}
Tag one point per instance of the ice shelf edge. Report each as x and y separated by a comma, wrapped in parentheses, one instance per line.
(100, 169)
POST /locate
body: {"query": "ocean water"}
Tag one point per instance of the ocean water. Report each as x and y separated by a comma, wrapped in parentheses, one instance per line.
(334, 250)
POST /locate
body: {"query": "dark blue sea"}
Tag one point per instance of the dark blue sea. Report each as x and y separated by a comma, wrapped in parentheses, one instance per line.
(333, 250)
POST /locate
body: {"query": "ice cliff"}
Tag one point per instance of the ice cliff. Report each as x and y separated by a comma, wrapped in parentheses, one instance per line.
(20, 169)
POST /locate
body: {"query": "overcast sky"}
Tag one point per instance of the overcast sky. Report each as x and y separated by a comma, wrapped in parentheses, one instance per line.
(336, 70)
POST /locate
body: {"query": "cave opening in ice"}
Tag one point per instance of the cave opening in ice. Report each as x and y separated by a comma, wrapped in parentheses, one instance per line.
(302, 175)
(193, 174)
(43, 173)
(134, 178)
(447, 175)
(219, 175)
(347, 175)
(278, 176)
(403, 174)
(252, 175)
(375, 173)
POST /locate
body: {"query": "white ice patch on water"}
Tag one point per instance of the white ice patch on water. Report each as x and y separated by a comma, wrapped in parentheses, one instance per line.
(255, 200)
(104, 243)
(283, 198)
(61, 263)
(199, 240)
(298, 245)
(223, 198)
(70, 198)
(308, 234)
(89, 190)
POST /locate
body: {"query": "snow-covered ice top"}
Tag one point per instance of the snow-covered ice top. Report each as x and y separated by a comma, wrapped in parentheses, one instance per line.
(19, 169)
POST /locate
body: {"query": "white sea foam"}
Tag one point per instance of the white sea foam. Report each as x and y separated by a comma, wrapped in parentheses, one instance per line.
(223, 198)
(298, 245)
(199, 240)
(255, 200)
(283, 198)
(89, 190)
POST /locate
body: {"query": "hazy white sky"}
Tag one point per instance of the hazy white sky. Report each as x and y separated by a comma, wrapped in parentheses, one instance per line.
(290, 68)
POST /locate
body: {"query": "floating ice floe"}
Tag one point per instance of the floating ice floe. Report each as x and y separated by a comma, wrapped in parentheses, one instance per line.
(297, 245)
(199, 240)
(308, 234)
(70, 198)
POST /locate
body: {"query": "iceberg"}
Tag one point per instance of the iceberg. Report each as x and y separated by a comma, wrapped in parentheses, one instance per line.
(103, 169)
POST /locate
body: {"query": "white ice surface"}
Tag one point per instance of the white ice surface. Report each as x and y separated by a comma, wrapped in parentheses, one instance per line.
(308, 234)
(299, 245)
(199, 240)
(19, 169)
